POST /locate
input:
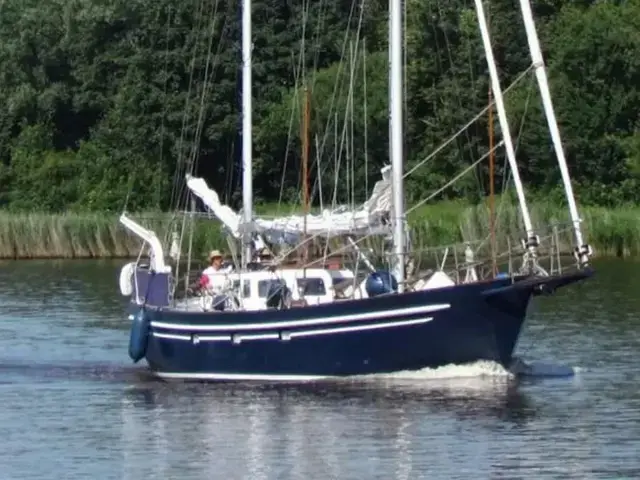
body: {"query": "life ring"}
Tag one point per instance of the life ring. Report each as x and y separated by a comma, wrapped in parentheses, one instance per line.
(139, 335)
(126, 279)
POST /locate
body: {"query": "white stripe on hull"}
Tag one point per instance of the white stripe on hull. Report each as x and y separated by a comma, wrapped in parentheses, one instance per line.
(241, 376)
(358, 328)
(172, 336)
(289, 335)
(304, 323)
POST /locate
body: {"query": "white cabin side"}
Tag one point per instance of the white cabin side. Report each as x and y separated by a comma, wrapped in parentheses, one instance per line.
(314, 285)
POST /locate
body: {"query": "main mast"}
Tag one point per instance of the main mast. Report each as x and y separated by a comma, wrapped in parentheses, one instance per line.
(247, 145)
(396, 136)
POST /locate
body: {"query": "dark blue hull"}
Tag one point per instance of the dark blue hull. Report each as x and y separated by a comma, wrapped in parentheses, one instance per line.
(396, 332)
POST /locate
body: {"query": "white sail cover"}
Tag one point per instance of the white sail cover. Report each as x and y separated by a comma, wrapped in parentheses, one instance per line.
(371, 217)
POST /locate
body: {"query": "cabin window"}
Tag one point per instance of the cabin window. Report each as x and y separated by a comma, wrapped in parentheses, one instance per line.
(311, 286)
(246, 290)
(263, 286)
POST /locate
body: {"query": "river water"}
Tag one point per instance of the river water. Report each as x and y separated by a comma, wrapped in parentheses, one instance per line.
(73, 406)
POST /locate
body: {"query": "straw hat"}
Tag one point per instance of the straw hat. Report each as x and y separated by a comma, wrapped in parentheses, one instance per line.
(214, 254)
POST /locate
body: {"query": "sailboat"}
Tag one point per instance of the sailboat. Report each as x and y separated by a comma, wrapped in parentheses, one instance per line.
(394, 327)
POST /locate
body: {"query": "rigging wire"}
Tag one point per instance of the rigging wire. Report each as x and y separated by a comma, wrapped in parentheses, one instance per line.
(165, 83)
(436, 151)
(352, 72)
(364, 115)
(454, 179)
(132, 176)
(466, 126)
(349, 109)
(458, 88)
(178, 175)
(299, 71)
(335, 94)
(505, 169)
(430, 197)
(339, 70)
(191, 163)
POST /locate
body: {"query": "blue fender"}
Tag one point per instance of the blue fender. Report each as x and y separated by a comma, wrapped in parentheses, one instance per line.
(380, 282)
(139, 335)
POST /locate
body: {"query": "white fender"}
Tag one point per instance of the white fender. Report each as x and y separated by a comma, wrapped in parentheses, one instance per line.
(126, 279)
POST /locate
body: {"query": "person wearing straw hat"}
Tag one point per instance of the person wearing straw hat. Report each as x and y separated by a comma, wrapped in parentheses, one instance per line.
(215, 263)
(214, 276)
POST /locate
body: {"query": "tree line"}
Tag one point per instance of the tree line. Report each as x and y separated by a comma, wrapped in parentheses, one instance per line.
(107, 103)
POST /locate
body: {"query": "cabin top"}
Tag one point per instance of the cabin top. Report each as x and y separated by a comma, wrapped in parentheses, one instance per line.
(313, 285)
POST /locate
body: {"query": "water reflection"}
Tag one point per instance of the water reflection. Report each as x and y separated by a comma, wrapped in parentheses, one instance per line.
(275, 431)
(493, 396)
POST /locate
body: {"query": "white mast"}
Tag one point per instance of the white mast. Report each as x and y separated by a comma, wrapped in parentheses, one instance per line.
(396, 140)
(532, 240)
(583, 251)
(247, 173)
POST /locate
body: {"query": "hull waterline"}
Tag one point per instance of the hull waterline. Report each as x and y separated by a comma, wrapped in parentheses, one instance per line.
(391, 333)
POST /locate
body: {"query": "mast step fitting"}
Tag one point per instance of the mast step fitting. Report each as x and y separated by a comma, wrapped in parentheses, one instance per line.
(531, 242)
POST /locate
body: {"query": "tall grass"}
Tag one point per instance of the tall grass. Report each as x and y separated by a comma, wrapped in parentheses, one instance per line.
(88, 235)
(611, 232)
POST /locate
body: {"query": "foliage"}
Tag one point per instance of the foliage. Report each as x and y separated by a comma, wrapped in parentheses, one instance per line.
(107, 104)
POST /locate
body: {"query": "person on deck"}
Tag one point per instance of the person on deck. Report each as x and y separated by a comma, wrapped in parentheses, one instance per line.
(215, 263)
(214, 276)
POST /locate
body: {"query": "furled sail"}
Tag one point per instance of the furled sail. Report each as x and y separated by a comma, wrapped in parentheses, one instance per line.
(371, 218)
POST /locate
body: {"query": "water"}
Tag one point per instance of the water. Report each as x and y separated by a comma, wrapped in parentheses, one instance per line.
(73, 406)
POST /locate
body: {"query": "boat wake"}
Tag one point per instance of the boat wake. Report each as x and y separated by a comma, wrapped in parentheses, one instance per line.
(481, 368)
(477, 375)
(483, 379)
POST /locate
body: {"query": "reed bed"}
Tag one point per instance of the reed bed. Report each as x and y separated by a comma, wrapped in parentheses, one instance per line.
(611, 232)
(87, 235)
